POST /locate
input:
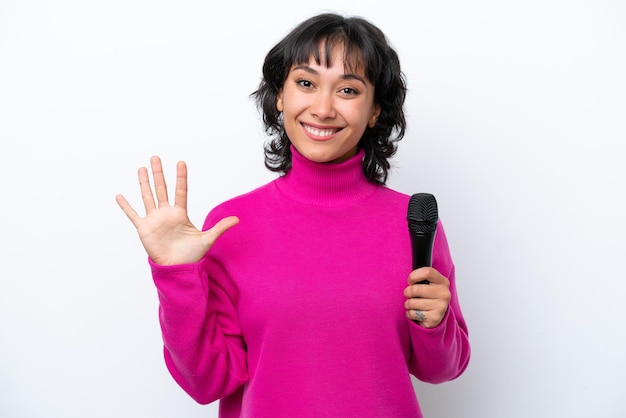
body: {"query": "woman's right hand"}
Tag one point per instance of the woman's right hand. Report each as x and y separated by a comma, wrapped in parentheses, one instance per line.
(166, 232)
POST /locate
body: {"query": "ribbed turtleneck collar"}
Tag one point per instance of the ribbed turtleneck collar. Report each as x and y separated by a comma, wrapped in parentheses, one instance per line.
(325, 184)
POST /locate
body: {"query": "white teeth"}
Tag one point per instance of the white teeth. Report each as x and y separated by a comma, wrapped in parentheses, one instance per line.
(319, 132)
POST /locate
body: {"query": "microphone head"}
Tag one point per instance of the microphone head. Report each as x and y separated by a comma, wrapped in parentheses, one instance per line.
(422, 214)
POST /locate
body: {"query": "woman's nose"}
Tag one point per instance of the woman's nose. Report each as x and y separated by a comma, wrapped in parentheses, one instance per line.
(323, 107)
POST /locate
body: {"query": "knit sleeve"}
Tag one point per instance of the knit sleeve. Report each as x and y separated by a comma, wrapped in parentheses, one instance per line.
(442, 353)
(203, 346)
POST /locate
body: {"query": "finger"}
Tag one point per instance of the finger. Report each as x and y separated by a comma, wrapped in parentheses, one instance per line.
(425, 319)
(417, 315)
(431, 291)
(423, 310)
(127, 208)
(146, 190)
(160, 188)
(421, 304)
(180, 197)
(211, 235)
(418, 291)
(434, 277)
(427, 275)
(420, 275)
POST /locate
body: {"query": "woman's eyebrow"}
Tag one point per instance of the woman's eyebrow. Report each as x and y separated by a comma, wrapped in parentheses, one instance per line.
(346, 76)
(350, 76)
(305, 68)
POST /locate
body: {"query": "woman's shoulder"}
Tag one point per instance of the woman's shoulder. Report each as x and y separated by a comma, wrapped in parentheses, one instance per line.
(392, 196)
(243, 202)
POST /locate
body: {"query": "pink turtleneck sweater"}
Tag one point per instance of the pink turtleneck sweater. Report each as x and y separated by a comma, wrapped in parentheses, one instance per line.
(297, 311)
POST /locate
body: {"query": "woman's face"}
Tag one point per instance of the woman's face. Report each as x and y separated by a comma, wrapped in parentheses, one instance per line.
(326, 109)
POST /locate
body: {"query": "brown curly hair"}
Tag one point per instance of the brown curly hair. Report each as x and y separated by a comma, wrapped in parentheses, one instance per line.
(366, 46)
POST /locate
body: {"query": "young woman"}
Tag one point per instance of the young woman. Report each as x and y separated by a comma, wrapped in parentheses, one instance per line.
(297, 299)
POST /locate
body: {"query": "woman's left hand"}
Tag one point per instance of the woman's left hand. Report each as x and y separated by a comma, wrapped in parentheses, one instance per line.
(427, 303)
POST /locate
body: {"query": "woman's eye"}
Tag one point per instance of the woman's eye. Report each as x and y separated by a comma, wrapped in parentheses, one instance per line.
(304, 83)
(349, 91)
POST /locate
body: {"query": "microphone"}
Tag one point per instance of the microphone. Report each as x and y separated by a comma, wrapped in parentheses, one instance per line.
(422, 216)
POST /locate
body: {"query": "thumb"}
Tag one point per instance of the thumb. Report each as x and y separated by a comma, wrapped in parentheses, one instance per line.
(223, 225)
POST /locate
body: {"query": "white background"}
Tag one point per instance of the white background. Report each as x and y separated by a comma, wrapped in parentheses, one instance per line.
(517, 124)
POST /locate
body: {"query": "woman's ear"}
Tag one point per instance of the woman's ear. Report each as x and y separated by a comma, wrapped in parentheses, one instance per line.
(374, 117)
(279, 101)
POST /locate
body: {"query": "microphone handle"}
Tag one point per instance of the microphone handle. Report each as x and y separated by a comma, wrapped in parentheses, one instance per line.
(422, 247)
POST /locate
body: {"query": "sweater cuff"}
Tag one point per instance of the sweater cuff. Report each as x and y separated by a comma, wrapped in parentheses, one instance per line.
(175, 268)
(178, 278)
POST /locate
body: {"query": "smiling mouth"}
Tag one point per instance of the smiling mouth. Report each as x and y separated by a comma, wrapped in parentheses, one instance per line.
(320, 133)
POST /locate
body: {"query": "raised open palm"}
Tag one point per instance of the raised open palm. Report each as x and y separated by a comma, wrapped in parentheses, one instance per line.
(165, 231)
